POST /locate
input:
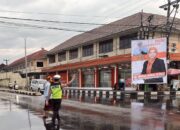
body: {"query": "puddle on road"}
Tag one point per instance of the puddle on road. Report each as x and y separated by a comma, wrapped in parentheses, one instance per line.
(125, 101)
(20, 116)
(13, 117)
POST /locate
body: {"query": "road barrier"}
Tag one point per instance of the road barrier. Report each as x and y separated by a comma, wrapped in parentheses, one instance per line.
(116, 93)
(21, 92)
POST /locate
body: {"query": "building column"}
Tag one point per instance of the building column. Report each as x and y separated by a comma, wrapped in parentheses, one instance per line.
(67, 74)
(116, 70)
(80, 78)
(96, 77)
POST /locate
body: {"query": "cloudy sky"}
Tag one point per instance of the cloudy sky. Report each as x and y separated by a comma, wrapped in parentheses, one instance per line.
(14, 32)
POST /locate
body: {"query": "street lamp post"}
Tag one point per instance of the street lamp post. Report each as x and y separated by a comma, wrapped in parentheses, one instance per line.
(26, 63)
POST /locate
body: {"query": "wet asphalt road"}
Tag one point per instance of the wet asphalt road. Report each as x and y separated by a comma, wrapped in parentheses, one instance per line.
(19, 112)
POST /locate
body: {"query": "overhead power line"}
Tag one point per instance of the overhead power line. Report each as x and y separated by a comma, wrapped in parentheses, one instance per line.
(51, 21)
(37, 26)
(48, 21)
(61, 29)
(43, 13)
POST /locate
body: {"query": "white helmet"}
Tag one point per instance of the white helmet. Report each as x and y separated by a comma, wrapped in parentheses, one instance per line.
(57, 76)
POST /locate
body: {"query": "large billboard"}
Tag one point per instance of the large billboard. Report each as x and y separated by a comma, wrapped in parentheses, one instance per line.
(148, 61)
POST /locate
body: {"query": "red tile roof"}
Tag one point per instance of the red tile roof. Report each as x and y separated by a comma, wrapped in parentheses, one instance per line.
(34, 56)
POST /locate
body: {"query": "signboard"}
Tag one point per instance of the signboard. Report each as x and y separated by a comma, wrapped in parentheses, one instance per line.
(173, 71)
(148, 59)
(174, 47)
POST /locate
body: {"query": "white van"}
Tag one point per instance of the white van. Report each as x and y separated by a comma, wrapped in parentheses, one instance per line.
(37, 85)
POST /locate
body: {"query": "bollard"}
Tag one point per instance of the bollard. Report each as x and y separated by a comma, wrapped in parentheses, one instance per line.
(133, 95)
(147, 94)
(78, 92)
(74, 92)
(89, 92)
(69, 92)
(160, 93)
(122, 96)
(173, 93)
(107, 94)
(100, 93)
(83, 93)
(66, 92)
(94, 93)
(114, 94)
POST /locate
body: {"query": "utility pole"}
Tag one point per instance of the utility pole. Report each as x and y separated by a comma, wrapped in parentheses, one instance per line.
(144, 30)
(26, 63)
(141, 27)
(150, 18)
(169, 24)
(6, 60)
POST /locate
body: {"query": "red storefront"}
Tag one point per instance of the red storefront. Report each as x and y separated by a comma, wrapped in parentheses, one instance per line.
(102, 72)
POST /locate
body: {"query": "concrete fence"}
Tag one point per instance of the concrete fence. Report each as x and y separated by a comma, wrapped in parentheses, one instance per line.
(115, 94)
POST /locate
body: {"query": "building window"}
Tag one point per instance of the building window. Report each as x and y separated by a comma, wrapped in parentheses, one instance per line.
(51, 59)
(88, 77)
(106, 46)
(87, 50)
(62, 56)
(125, 41)
(105, 78)
(73, 54)
(39, 64)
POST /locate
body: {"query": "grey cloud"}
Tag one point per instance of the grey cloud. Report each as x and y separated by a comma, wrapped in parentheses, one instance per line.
(12, 38)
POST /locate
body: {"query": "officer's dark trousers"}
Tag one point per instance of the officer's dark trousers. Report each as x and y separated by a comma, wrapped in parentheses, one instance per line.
(56, 105)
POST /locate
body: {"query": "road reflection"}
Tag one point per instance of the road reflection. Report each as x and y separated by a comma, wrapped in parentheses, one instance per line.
(157, 113)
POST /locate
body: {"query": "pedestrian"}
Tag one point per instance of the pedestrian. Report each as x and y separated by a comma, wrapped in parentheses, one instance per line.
(121, 84)
(15, 84)
(48, 106)
(55, 92)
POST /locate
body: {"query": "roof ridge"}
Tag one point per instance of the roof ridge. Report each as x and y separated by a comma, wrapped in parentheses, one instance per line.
(106, 29)
(28, 56)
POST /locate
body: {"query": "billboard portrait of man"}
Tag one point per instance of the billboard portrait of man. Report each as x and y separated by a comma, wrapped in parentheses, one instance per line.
(153, 65)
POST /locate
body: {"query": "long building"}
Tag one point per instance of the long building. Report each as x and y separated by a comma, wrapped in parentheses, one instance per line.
(101, 57)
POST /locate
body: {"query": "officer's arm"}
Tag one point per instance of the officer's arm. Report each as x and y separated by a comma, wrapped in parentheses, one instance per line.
(67, 84)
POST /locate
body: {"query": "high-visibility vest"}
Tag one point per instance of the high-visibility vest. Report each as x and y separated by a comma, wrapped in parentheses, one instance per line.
(56, 91)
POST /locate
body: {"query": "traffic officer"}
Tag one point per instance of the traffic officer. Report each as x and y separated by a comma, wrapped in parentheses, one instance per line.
(55, 92)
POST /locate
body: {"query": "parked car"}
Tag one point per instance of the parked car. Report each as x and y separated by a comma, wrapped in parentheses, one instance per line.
(37, 85)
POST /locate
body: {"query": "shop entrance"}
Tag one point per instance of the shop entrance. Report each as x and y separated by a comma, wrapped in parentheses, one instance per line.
(105, 78)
